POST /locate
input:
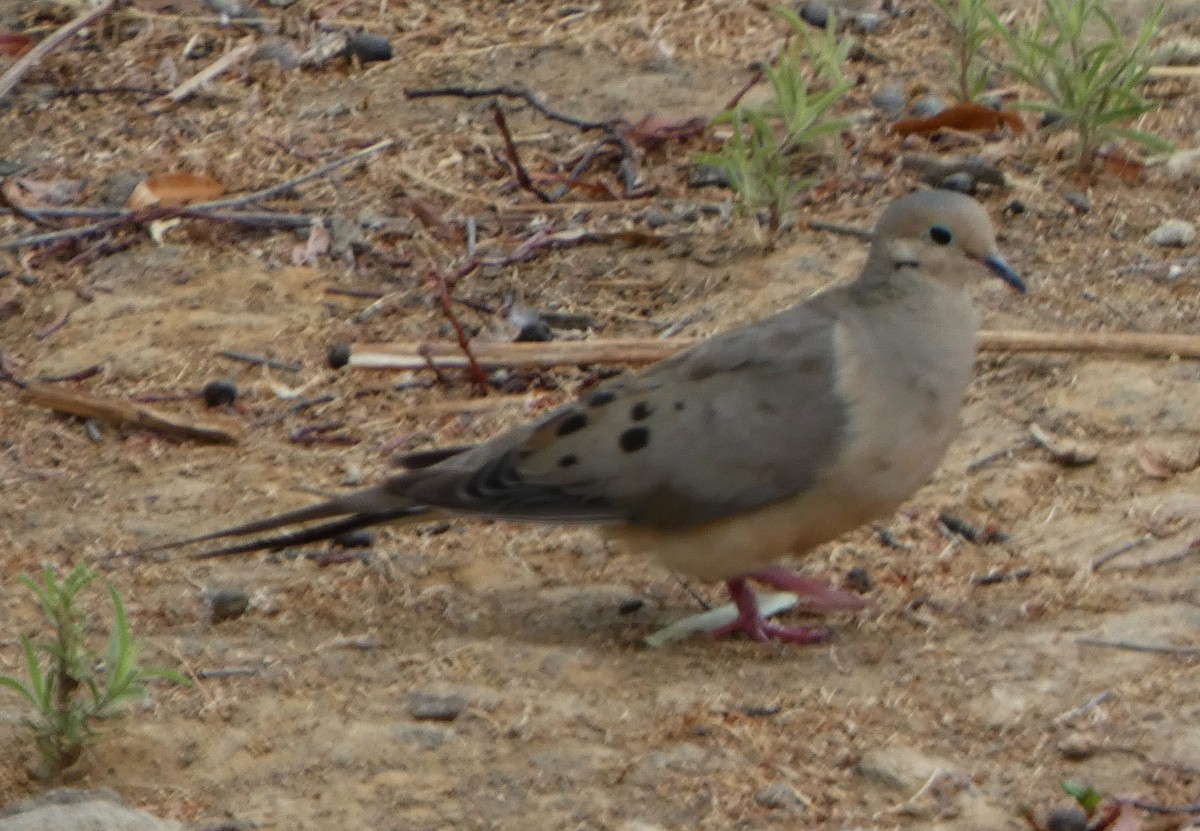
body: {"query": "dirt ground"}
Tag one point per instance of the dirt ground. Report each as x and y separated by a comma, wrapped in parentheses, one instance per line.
(949, 702)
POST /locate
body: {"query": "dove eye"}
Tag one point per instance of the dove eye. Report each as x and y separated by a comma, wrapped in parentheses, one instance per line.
(940, 234)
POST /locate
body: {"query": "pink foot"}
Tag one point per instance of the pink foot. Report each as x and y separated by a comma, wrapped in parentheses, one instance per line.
(751, 621)
(819, 596)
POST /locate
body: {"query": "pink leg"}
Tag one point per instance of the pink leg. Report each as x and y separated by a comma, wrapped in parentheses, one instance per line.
(819, 596)
(751, 621)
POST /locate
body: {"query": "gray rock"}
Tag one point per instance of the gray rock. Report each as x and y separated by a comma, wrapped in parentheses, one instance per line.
(68, 809)
(927, 106)
(1174, 232)
(430, 706)
(781, 796)
(890, 99)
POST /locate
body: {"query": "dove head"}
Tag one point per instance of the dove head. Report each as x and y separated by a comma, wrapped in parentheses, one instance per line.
(944, 235)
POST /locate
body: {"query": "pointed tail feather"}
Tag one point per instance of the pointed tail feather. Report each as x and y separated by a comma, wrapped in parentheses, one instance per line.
(358, 510)
(317, 533)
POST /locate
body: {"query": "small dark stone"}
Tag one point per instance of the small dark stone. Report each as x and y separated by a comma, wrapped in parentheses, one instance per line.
(1077, 200)
(1015, 208)
(339, 355)
(635, 438)
(628, 607)
(927, 106)
(572, 423)
(427, 706)
(858, 579)
(707, 176)
(890, 99)
(1049, 120)
(1066, 818)
(368, 48)
(962, 182)
(226, 604)
(358, 538)
(815, 14)
(641, 411)
(536, 331)
(600, 398)
(657, 219)
(219, 393)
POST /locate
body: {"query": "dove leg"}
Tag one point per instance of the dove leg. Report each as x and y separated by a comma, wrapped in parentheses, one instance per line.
(751, 621)
(818, 596)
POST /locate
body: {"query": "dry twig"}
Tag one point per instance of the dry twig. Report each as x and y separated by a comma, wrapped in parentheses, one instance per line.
(35, 55)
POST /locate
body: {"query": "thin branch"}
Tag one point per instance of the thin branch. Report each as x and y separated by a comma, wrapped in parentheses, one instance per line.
(1187, 651)
(649, 350)
(189, 87)
(507, 91)
(478, 376)
(510, 150)
(35, 55)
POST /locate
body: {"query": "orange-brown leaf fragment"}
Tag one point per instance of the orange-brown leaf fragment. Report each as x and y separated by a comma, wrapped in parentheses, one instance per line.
(173, 190)
(963, 116)
(14, 45)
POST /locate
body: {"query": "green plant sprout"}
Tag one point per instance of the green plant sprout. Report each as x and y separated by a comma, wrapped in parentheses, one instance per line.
(68, 695)
(972, 29)
(757, 158)
(1075, 54)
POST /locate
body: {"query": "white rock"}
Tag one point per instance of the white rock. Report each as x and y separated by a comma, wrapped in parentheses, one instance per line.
(1173, 232)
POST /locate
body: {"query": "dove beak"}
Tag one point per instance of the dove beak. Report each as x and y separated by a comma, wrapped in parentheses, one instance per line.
(1004, 271)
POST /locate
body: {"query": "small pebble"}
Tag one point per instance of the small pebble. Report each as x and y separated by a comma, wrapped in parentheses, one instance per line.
(358, 538)
(1175, 233)
(890, 99)
(815, 14)
(427, 706)
(339, 355)
(657, 219)
(858, 579)
(1015, 208)
(368, 48)
(1066, 818)
(226, 604)
(867, 23)
(927, 106)
(628, 607)
(707, 176)
(1077, 200)
(962, 182)
(219, 393)
(780, 796)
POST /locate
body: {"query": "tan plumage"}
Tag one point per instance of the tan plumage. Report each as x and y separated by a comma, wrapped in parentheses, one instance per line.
(762, 441)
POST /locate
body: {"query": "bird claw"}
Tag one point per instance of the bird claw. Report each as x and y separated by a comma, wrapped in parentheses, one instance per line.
(764, 631)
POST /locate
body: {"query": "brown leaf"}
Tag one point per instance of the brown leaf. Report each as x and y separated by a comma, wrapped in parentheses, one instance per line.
(963, 116)
(1129, 819)
(1116, 163)
(172, 190)
(655, 130)
(1154, 464)
(14, 45)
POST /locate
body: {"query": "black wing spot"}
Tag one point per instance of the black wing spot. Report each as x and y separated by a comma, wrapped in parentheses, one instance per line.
(641, 411)
(635, 438)
(569, 460)
(600, 398)
(572, 423)
(679, 405)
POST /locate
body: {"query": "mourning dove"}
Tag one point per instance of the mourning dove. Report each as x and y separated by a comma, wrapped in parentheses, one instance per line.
(762, 441)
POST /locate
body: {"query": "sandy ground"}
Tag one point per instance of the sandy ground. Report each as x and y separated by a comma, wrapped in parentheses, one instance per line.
(948, 703)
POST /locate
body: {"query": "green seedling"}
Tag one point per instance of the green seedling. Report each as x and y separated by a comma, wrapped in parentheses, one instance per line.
(972, 29)
(759, 156)
(1074, 53)
(67, 690)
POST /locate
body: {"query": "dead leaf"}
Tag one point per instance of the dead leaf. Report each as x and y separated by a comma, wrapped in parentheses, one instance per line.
(316, 247)
(14, 45)
(1064, 451)
(1116, 163)
(1154, 464)
(1129, 819)
(963, 116)
(173, 190)
(655, 130)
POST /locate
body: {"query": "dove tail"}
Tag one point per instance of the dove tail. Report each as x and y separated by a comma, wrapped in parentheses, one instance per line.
(357, 510)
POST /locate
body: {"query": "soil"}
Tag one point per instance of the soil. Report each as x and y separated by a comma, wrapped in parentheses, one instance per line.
(484, 675)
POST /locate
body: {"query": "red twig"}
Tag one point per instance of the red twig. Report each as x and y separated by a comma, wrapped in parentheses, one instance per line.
(528, 96)
(478, 376)
(52, 327)
(81, 375)
(510, 150)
